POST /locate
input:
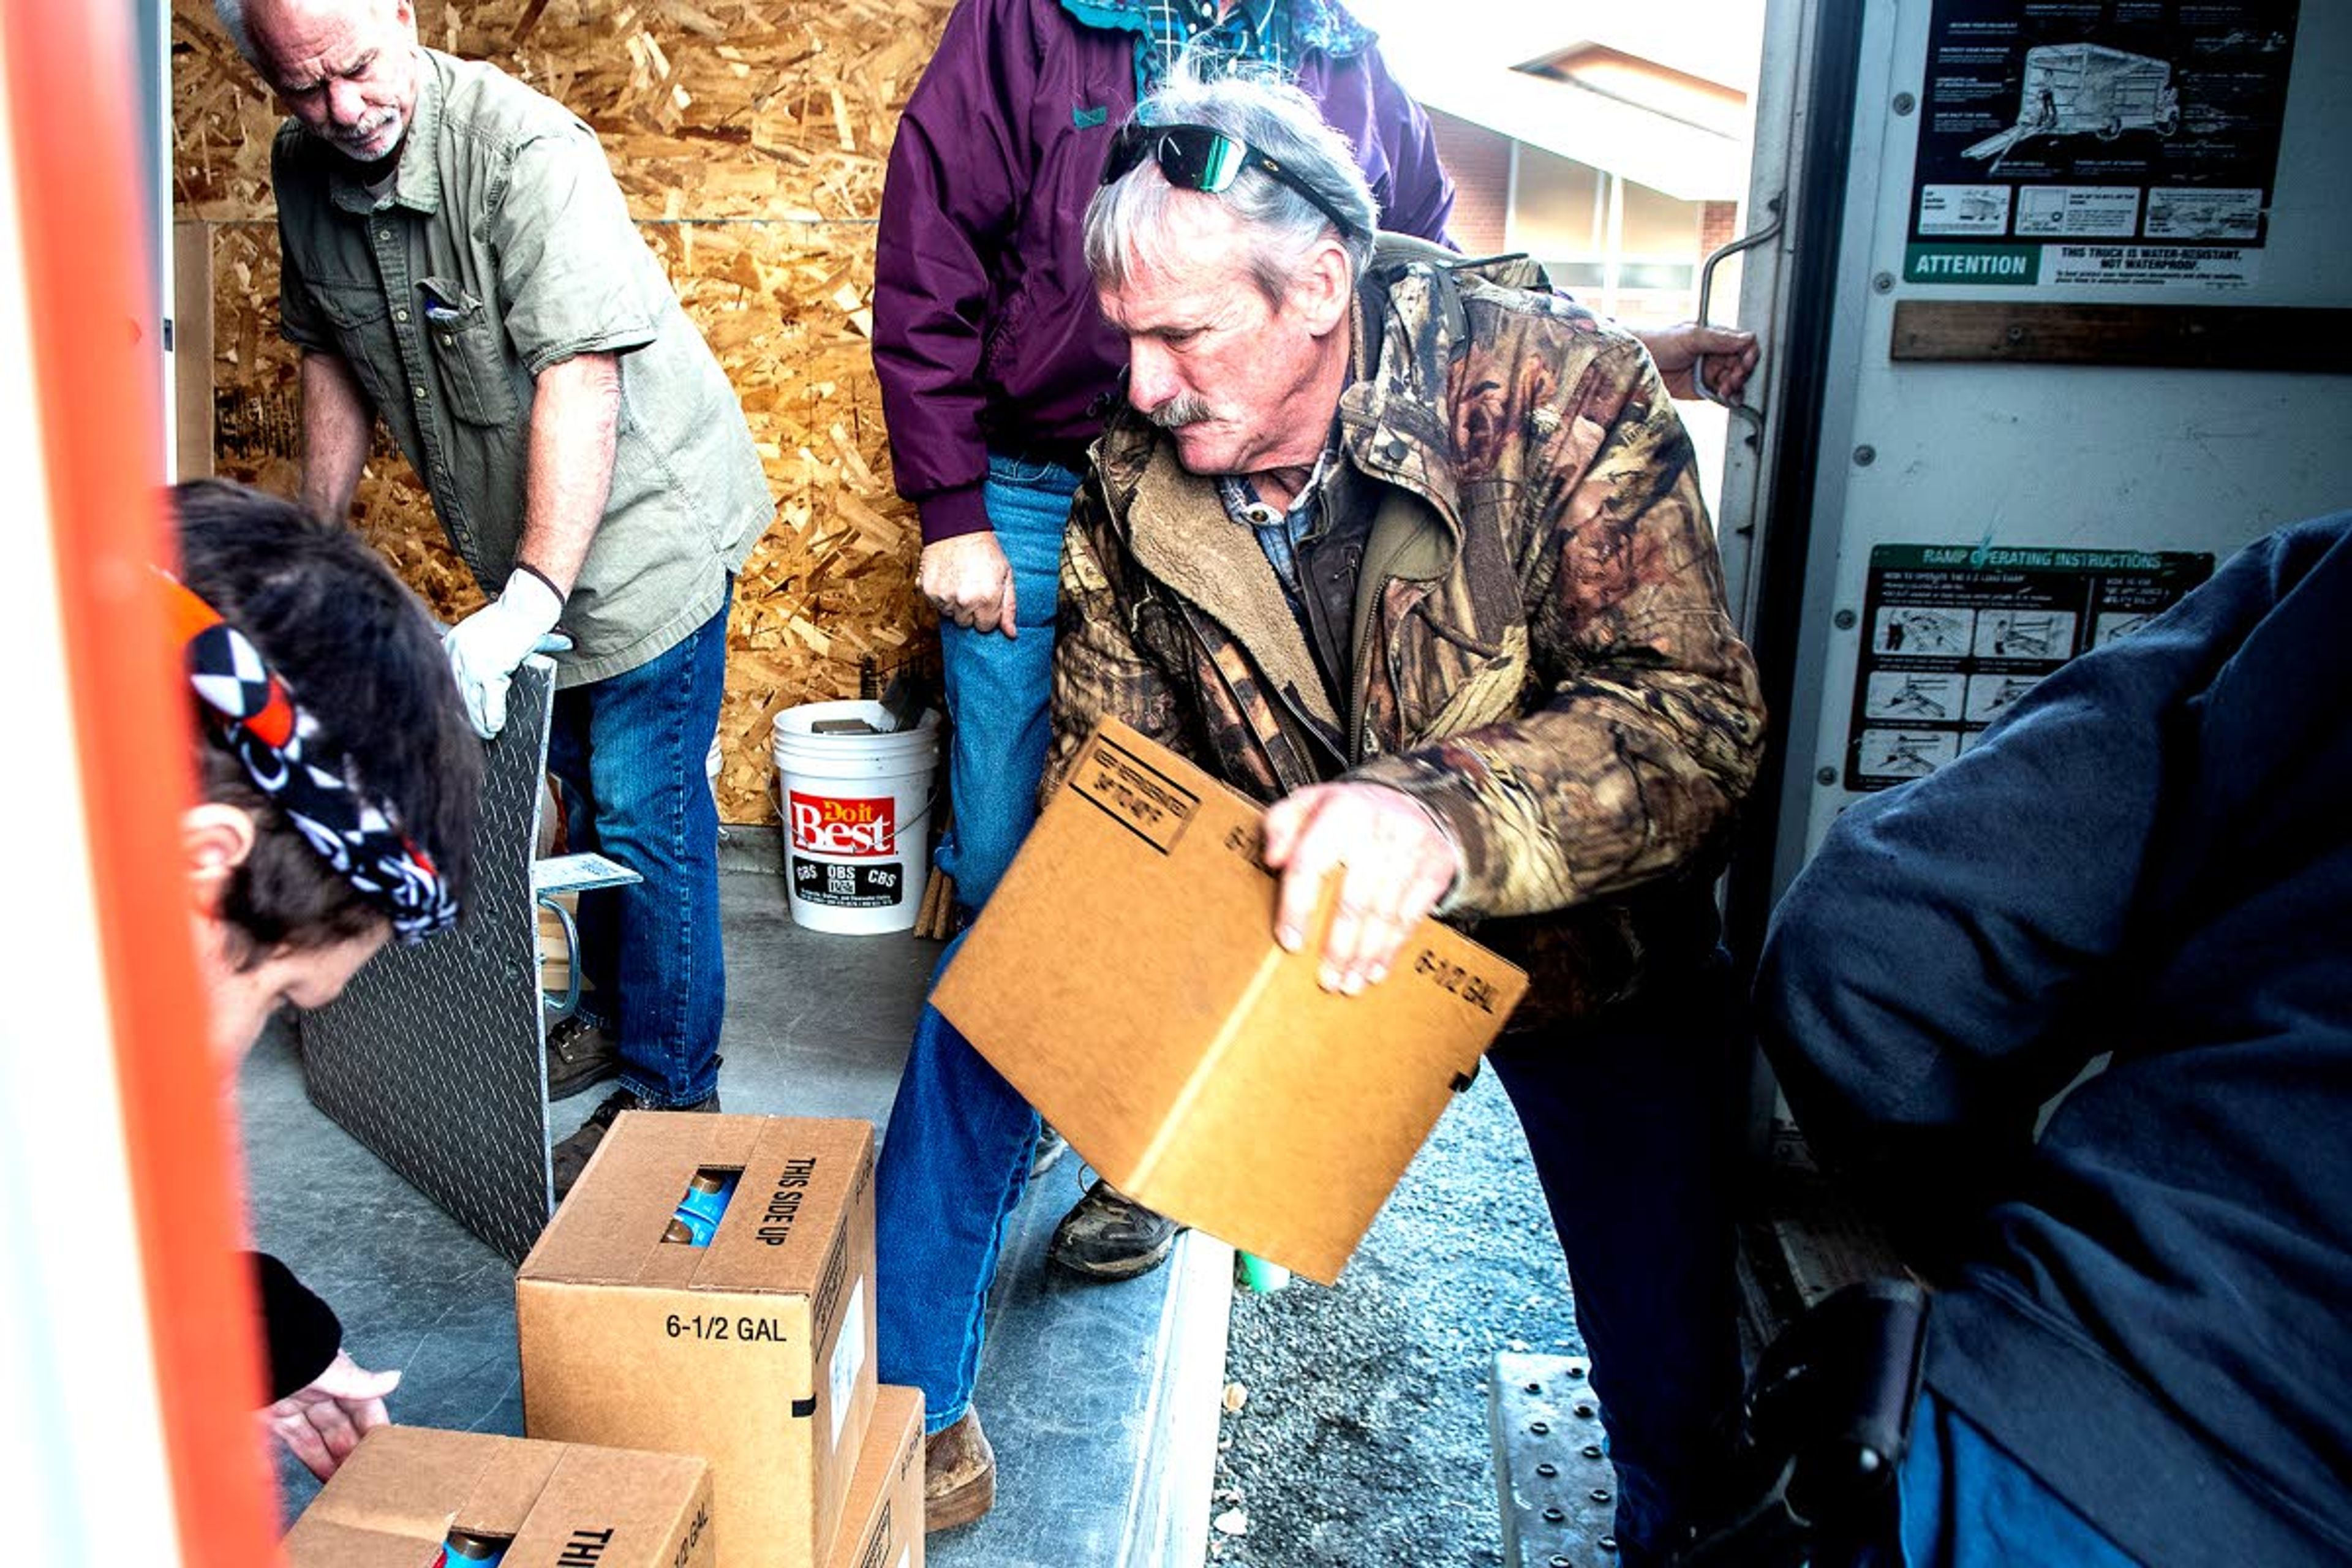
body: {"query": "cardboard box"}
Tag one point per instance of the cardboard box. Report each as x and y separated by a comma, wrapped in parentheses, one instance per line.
(395, 1502)
(555, 945)
(1124, 977)
(882, 1518)
(755, 1351)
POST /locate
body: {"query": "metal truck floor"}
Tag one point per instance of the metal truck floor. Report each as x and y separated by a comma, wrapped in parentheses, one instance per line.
(1100, 1399)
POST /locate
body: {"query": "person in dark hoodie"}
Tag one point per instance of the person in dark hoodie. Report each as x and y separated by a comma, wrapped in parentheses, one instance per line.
(337, 788)
(2142, 1346)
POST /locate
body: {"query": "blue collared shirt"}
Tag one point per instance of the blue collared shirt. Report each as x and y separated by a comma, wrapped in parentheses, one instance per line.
(1280, 533)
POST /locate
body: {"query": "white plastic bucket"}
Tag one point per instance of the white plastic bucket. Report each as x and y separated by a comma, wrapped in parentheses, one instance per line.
(856, 814)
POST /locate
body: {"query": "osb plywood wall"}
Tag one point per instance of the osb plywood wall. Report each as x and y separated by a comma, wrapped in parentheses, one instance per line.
(750, 137)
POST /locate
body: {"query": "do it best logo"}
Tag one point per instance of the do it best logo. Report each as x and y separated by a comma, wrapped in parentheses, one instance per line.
(860, 829)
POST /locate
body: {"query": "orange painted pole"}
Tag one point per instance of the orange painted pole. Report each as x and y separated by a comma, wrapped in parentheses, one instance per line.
(71, 102)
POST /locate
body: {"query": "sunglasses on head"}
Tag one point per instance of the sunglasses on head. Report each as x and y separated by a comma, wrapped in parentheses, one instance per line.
(1197, 158)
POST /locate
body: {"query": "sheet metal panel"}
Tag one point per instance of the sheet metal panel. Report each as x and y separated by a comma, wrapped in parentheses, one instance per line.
(433, 1056)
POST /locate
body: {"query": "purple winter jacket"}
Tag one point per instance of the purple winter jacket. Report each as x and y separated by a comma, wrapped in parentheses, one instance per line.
(986, 332)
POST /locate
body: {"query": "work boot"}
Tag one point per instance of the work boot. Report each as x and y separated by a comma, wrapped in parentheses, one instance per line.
(580, 1055)
(958, 1474)
(1110, 1236)
(572, 1156)
(1051, 1147)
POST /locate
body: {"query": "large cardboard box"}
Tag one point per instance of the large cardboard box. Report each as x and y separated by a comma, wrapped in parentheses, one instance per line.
(393, 1504)
(1124, 977)
(882, 1519)
(755, 1351)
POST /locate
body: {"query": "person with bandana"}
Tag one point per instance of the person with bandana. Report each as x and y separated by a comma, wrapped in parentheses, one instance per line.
(337, 800)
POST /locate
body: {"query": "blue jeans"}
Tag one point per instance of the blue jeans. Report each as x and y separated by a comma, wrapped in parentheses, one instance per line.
(954, 1163)
(1632, 1118)
(1967, 1504)
(630, 750)
(1000, 687)
(956, 1159)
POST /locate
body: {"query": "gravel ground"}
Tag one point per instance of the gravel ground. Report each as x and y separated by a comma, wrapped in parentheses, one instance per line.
(1361, 1434)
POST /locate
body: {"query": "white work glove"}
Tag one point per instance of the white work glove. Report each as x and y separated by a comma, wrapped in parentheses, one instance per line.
(487, 647)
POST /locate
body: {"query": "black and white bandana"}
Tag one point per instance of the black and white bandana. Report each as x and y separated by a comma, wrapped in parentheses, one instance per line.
(254, 714)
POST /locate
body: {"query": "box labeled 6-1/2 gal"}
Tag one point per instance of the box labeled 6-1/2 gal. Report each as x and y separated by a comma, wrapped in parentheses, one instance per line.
(1125, 978)
(750, 1343)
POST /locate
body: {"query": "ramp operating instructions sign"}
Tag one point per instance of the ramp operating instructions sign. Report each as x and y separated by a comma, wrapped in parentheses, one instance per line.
(1954, 634)
(2123, 146)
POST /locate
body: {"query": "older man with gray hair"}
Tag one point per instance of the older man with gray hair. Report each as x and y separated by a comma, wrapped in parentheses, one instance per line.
(457, 262)
(1410, 548)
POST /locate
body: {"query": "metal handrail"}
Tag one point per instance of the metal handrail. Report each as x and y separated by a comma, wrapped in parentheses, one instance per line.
(1706, 291)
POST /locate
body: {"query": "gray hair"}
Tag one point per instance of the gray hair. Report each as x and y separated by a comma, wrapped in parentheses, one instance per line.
(240, 33)
(232, 20)
(1126, 221)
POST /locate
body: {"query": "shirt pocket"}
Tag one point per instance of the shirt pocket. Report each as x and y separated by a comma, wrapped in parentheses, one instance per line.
(363, 330)
(465, 344)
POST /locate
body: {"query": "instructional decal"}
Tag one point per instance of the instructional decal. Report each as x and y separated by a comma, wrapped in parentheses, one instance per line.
(2150, 124)
(2144, 265)
(1955, 635)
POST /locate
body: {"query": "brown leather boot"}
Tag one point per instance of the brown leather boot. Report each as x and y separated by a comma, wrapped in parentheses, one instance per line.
(958, 1474)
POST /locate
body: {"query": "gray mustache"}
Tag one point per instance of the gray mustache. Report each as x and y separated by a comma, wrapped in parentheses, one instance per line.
(1184, 409)
(366, 130)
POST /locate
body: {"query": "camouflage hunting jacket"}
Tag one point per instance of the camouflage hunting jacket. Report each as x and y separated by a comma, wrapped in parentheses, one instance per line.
(1537, 645)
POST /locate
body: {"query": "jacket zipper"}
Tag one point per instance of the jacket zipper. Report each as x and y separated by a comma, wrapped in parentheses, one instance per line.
(1278, 700)
(1360, 698)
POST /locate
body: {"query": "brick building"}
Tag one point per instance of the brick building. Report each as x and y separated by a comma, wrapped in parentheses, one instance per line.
(1619, 164)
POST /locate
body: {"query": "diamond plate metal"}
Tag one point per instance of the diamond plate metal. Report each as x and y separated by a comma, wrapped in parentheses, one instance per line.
(1558, 1491)
(433, 1056)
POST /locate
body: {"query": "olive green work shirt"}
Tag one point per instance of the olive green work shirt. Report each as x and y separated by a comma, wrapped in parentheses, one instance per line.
(502, 246)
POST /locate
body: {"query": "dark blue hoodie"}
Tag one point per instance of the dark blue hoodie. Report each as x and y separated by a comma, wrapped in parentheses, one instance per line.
(2151, 1303)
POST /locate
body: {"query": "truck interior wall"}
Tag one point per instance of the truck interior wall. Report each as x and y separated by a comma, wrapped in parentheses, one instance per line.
(1870, 450)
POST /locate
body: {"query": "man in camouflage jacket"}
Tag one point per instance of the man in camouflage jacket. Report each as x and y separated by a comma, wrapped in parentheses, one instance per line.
(1412, 550)
(1526, 582)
